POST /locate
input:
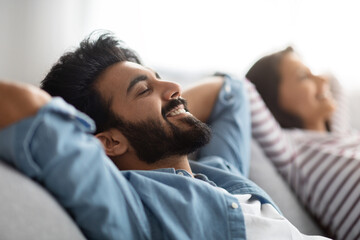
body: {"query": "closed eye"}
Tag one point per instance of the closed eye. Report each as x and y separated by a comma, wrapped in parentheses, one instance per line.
(303, 75)
(144, 91)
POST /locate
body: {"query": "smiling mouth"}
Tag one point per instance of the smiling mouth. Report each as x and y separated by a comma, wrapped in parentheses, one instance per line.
(324, 95)
(180, 109)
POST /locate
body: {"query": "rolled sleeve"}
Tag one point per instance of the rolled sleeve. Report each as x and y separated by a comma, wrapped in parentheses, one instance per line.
(230, 124)
(17, 140)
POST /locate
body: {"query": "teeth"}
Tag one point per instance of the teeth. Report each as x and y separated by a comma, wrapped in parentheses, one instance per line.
(177, 112)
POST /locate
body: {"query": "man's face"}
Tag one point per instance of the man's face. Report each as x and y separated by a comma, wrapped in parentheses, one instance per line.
(155, 119)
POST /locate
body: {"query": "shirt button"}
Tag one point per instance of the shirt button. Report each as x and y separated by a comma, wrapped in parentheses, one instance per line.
(180, 174)
(234, 205)
(227, 88)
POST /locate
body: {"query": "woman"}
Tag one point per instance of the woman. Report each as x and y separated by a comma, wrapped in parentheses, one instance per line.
(309, 142)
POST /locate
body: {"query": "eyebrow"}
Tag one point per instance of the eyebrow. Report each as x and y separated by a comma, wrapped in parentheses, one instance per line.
(135, 81)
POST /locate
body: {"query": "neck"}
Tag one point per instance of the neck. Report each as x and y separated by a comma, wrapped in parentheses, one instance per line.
(319, 126)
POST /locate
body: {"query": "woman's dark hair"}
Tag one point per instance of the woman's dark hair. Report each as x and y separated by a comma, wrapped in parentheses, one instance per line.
(265, 75)
(75, 75)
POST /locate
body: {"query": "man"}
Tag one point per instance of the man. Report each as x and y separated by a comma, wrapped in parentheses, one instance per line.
(145, 128)
(134, 113)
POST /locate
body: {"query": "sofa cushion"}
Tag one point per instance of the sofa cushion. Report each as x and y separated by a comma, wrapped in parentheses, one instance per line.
(29, 212)
(264, 174)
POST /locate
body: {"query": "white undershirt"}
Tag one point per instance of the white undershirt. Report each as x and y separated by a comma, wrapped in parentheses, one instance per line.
(263, 221)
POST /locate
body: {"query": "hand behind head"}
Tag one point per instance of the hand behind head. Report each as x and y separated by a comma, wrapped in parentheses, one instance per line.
(18, 101)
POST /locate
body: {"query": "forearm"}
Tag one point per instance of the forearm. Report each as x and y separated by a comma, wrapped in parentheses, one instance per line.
(230, 125)
(19, 101)
(267, 132)
(202, 97)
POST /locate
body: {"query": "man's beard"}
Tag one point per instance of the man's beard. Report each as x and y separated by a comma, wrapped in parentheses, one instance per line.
(152, 142)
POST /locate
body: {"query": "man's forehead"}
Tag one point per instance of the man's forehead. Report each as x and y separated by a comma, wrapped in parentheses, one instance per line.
(116, 78)
(122, 70)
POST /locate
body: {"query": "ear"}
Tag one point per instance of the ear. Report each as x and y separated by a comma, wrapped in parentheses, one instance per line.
(114, 142)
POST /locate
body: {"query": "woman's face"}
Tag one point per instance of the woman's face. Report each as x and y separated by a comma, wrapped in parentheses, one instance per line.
(303, 94)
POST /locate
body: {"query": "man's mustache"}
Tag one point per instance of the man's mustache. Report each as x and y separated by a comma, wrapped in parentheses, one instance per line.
(172, 104)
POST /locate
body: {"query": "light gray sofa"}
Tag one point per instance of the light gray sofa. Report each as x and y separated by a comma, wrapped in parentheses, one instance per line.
(266, 176)
(28, 211)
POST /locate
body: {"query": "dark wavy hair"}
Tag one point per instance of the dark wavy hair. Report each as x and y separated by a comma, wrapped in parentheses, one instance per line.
(265, 75)
(76, 73)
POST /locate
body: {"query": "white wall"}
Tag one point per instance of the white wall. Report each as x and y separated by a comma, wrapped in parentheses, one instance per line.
(186, 35)
(231, 34)
(35, 33)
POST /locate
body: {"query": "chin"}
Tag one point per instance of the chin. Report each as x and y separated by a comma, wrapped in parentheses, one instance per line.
(332, 107)
(329, 113)
(328, 108)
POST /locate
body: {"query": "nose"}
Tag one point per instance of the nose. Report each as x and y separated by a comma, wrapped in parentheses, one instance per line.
(321, 80)
(322, 84)
(170, 90)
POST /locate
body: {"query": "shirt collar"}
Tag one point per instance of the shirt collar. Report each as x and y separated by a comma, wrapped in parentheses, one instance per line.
(185, 173)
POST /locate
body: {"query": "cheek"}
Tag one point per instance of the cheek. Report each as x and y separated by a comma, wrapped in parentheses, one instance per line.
(297, 100)
(306, 95)
(147, 108)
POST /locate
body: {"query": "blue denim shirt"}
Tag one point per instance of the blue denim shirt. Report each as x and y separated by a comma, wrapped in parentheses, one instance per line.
(55, 148)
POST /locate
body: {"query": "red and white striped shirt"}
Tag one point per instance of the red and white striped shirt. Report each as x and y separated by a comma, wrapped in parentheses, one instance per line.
(322, 168)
